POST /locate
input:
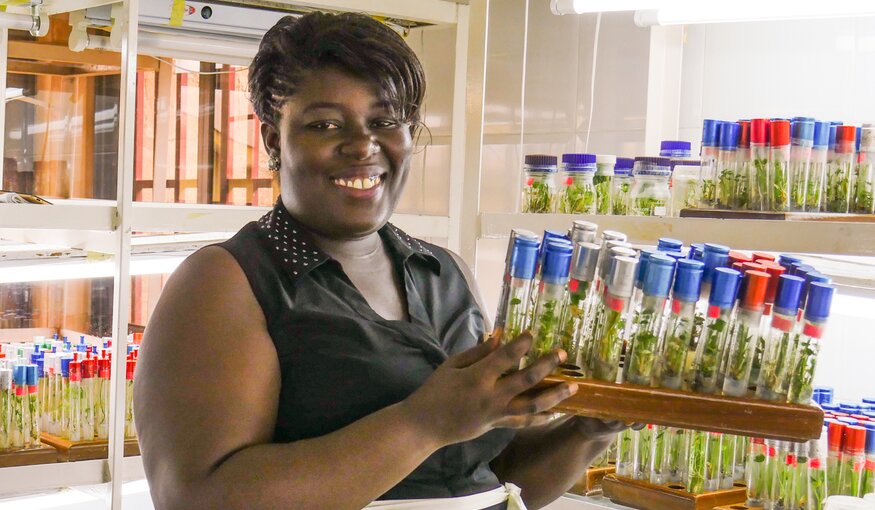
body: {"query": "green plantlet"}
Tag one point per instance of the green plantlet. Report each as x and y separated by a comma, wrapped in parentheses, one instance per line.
(619, 200)
(602, 185)
(577, 198)
(726, 185)
(538, 198)
(761, 179)
(779, 186)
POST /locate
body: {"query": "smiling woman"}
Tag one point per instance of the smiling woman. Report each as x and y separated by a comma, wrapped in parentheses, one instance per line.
(363, 375)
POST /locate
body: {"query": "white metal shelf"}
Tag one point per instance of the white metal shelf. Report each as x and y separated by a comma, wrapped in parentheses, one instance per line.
(43, 477)
(848, 238)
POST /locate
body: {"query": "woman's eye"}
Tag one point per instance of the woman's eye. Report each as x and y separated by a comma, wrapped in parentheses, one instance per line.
(324, 125)
(385, 123)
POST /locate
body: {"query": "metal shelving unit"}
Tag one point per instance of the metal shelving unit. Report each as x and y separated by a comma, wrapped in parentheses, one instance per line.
(109, 226)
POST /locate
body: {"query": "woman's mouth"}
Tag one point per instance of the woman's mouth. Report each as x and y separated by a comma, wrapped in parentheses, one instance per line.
(362, 183)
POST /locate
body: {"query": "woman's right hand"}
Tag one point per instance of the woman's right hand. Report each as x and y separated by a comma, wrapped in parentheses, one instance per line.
(469, 395)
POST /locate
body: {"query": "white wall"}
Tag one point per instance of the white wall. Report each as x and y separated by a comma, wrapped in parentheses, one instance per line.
(816, 68)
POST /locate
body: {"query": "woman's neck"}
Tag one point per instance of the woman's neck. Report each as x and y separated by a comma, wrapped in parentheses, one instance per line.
(349, 249)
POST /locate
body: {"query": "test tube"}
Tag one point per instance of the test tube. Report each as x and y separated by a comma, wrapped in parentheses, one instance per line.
(779, 160)
(817, 310)
(759, 153)
(554, 276)
(501, 314)
(727, 164)
(780, 346)
(609, 317)
(837, 192)
(817, 169)
(864, 186)
(800, 159)
(708, 170)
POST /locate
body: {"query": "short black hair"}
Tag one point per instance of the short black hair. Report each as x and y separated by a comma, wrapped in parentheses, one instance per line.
(353, 43)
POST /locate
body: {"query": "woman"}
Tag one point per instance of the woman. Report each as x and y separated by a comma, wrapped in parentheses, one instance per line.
(322, 358)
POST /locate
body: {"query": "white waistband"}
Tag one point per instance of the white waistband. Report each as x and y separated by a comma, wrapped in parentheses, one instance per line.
(509, 492)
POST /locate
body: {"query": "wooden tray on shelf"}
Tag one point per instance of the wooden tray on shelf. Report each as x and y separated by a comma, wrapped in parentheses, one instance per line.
(591, 480)
(726, 214)
(29, 457)
(646, 496)
(658, 406)
(739, 506)
(85, 450)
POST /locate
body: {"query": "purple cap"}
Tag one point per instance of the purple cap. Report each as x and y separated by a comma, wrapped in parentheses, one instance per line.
(623, 166)
(540, 160)
(870, 437)
(578, 159)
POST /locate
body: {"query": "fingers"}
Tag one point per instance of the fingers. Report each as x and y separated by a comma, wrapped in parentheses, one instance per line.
(507, 356)
(594, 428)
(539, 402)
(474, 354)
(521, 381)
(529, 420)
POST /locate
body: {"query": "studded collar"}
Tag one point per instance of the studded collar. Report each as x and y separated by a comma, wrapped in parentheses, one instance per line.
(294, 249)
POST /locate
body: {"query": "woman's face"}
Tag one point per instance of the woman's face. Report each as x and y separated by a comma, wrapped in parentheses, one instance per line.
(344, 154)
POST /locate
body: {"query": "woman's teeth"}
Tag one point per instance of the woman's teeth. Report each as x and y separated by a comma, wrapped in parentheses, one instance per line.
(366, 183)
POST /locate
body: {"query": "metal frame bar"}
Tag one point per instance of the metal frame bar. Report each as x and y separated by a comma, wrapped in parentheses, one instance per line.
(457, 140)
(469, 189)
(663, 86)
(4, 61)
(122, 281)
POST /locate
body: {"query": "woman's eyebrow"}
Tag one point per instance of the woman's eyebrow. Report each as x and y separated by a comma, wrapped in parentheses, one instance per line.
(322, 105)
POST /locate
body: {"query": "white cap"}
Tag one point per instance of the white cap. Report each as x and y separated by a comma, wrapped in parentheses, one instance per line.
(5, 379)
(867, 139)
(605, 159)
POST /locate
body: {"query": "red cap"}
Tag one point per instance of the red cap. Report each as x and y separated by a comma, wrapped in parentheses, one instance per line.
(89, 366)
(757, 440)
(737, 256)
(129, 373)
(774, 270)
(759, 131)
(753, 266)
(103, 368)
(759, 256)
(780, 132)
(839, 414)
(855, 439)
(755, 290)
(828, 415)
(861, 417)
(744, 133)
(814, 463)
(736, 266)
(846, 134)
(138, 337)
(75, 371)
(834, 435)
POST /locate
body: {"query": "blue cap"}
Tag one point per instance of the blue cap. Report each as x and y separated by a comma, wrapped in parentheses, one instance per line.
(848, 420)
(819, 301)
(821, 133)
(857, 141)
(677, 255)
(802, 131)
(32, 375)
(828, 406)
(849, 407)
(870, 414)
(669, 244)
(697, 251)
(789, 292)
(674, 145)
(728, 133)
(557, 263)
(709, 132)
(544, 162)
(814, 276)
(832, 135)
(714, 256)
(19, 375)
(787, 260)
(65, 366)
(524, 258)
(724, 287)
(40, 367)
(549, 235)
(870, 437)
(869, 400)
(643, 257)
(826, 390)
(660, 272)
(688, 282)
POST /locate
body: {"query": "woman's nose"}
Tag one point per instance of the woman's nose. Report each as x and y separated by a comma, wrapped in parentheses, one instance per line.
(360, 145)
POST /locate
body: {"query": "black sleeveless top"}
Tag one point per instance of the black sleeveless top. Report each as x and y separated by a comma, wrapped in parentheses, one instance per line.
(340, 361)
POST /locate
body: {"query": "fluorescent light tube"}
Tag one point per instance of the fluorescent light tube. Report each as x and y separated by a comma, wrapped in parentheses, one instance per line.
(77, 270)
(689, 13)
(560, 7)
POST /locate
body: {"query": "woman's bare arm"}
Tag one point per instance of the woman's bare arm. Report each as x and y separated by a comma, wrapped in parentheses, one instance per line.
(206, 398)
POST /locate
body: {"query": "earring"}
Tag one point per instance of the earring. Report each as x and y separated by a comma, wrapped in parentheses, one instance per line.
(273, 164)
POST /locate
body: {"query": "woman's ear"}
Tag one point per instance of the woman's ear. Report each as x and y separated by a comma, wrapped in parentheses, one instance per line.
(270, 135)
